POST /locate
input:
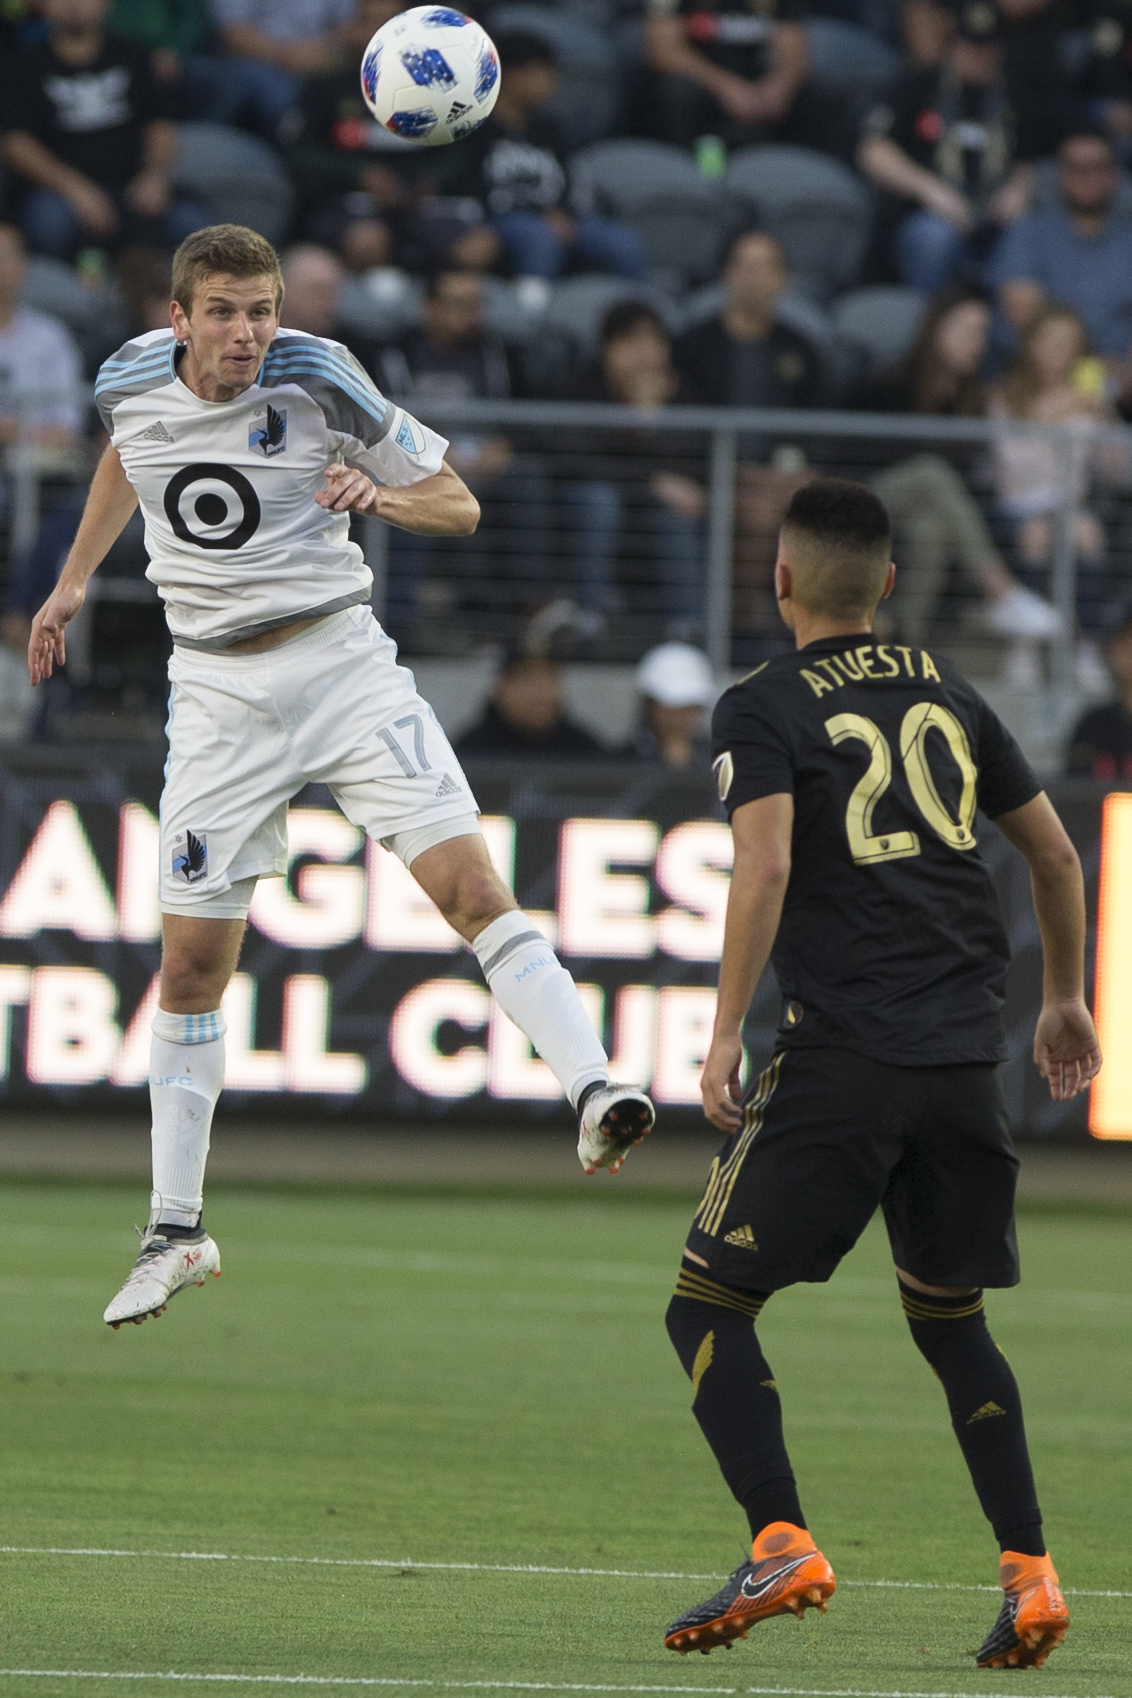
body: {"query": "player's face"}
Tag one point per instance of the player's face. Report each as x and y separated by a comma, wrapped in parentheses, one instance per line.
(231, 326)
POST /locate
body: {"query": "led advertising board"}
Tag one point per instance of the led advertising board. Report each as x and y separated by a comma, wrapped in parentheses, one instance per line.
(354, 996)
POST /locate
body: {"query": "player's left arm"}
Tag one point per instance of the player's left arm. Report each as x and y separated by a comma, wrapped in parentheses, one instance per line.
(1066, 1050)
(438, 506)
(762, 832)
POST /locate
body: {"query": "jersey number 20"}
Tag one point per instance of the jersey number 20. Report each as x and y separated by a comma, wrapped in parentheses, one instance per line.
(865, 848)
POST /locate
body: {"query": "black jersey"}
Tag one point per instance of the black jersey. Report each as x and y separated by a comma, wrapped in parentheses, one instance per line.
(891, 941)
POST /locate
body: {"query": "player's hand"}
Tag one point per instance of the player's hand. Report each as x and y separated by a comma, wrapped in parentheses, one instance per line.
(47, 646)
(720, 1084)
(347, 491)
(1066, 1049)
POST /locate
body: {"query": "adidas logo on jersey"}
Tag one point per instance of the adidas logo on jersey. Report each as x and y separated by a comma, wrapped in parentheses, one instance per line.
(156, 433)
(447, 787)
(742, 1238)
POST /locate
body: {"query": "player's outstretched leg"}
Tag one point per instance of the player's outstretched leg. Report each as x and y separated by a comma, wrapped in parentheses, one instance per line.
(186, 1074)
(538, 994)
(737, 1406)
(951, 1332)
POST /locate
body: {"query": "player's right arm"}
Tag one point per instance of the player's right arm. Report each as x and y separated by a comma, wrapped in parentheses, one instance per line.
(109, 504)
(762, 832)
(1066, 1050)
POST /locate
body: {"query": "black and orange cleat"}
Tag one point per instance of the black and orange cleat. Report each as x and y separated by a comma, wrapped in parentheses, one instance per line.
(1033, 1619)
(786, 1573)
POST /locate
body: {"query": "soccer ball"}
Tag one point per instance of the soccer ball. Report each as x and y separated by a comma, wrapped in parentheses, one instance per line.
(430, 75)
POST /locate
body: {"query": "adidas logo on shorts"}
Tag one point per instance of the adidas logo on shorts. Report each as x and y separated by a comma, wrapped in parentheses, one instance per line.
(447, 787)
(156, 433)
(742, 1238)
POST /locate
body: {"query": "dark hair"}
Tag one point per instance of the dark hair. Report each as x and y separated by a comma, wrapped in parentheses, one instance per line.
(519, 47)
(842, 573)
(439, 275)
(625, 316)
(932, 388)
(841, 515)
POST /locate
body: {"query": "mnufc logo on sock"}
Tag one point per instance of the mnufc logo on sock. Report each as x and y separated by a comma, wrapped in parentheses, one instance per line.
(533, 967)
(174, 1079)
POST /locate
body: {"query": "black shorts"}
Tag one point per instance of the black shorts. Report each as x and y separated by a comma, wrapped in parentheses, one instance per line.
(827, 1135)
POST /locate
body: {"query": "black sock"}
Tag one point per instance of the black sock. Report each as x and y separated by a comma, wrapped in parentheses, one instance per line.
(168, 1229)
(986, 1411)
(736, 1400)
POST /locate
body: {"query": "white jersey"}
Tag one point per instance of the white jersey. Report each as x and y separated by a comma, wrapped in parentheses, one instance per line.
(237, 543)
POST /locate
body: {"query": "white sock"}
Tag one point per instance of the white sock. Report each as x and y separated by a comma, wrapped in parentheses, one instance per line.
(536, 991)
(185, 1076)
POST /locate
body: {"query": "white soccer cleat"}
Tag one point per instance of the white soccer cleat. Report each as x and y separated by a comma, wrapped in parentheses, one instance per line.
(164, 1267)
(613, 1117)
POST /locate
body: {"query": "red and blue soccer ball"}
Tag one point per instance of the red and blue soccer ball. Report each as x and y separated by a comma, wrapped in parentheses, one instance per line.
(430, 75)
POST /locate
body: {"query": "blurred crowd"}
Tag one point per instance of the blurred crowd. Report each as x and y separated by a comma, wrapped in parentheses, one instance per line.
(891, 206)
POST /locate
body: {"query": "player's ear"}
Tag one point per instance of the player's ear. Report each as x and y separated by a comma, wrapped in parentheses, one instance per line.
(889, 582)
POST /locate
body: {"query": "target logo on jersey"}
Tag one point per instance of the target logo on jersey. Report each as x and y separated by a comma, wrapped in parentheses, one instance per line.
(213, 506)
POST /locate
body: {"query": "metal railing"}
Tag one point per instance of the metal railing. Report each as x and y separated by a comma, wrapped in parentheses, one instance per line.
(533, 546)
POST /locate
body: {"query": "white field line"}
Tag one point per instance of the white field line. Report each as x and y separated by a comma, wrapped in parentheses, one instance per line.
(383, 1258)
(463, 1685)
(490, 1568)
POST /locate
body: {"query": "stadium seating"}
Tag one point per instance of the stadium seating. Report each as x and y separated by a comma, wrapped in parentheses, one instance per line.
(588, 102)
(846, 57)
(815, 206)
(240, 178)
(93, 314)
(681, 217)
(578, 306)
(878, 323)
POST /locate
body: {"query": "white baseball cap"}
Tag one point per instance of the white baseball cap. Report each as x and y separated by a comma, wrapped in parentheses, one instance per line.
(677, 675)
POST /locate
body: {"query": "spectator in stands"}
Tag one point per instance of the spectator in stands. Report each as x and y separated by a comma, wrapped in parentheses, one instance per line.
(745, 356)
(513, 166)
(271, 46)
(312, 299)
(934, 515)
(634, 482)
(87, 132)
(145, 279)
(1079, 252)
(1052, 380)
(40, 379)
(738, 72)
(1106, 82)
(526, 716)
(40, 367)
(355, 193)
(175, 32)
(1101, 744)
(453, 355)
(954, 145)
(676, 688)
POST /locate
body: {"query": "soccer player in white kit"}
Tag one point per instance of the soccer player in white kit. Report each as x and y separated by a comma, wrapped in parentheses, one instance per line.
(248, 447)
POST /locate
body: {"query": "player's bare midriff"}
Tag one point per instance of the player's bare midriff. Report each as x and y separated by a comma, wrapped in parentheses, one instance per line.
(272, 639)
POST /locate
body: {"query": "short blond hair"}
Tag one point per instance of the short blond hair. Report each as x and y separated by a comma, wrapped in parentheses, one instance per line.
(223, 250)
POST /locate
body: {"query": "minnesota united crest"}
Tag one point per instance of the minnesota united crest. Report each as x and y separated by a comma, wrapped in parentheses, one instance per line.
(270, 435)
(190, 856)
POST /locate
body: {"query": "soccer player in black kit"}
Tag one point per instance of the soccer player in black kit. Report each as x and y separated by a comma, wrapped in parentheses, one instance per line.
(853, 772)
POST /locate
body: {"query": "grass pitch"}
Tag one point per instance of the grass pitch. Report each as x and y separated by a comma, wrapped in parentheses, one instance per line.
(383, 1385)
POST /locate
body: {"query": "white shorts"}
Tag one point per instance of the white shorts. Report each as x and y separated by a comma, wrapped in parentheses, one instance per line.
(248, 731)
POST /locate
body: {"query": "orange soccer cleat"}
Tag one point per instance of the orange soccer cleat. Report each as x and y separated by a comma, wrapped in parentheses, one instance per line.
(786, 1572)
(1033, 1620)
